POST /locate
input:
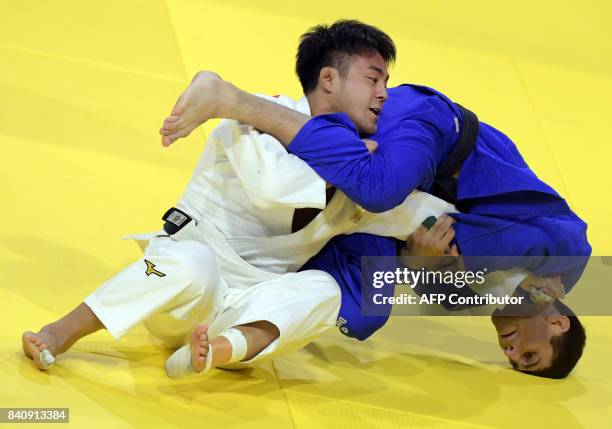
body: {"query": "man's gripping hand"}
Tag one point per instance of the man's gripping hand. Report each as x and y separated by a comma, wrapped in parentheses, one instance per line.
(430, 248)
(543, 289)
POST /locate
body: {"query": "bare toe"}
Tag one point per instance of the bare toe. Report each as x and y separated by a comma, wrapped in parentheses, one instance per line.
(198, 344)
(32, 348)
(178, 109)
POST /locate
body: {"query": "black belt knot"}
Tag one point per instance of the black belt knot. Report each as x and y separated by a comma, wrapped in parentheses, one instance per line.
(175, 220)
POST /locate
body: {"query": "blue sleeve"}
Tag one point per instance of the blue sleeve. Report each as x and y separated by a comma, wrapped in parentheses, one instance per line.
(404, 160)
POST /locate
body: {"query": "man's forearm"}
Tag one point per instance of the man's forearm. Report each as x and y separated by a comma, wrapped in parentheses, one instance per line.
(268, 117)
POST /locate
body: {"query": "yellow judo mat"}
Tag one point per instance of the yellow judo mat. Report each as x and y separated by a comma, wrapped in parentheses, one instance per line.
(84, 86)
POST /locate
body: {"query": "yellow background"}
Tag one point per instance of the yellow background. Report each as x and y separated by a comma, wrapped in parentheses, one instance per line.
(84, 86)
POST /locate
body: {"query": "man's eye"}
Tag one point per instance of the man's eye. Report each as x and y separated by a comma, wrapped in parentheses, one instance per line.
(373, 79)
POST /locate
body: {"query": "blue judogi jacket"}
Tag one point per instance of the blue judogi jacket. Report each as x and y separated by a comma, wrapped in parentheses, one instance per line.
(506, 209)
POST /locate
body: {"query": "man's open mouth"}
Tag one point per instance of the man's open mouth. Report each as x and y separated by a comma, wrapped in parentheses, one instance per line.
(375, 110)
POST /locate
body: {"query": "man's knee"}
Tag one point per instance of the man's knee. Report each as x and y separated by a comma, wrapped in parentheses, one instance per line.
(198, 262)
(325, 288)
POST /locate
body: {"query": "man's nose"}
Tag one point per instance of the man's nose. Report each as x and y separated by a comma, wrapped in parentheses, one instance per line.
(512, 352)
(383, 94)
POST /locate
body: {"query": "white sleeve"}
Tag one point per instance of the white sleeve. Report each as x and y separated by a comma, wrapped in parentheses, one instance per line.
(403, 220)
(269, 174)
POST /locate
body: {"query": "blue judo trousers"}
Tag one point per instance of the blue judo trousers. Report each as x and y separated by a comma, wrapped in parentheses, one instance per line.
(506, 210)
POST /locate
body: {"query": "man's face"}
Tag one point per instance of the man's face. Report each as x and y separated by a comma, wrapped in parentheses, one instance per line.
(362, 91)
(526, 341)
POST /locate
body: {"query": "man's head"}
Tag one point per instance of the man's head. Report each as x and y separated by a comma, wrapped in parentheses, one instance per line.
(547, 344)
(343, 68)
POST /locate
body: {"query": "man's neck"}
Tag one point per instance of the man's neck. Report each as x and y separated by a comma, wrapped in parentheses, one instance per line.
(319, 104)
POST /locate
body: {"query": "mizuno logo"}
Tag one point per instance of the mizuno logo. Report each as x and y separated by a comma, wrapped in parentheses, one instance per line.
(151, 269)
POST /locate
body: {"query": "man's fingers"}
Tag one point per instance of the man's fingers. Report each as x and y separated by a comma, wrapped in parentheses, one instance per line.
(538, 296)
(550, 284)
(440, 228)
(561, 292)
(454, 250)
(419, 232)
(541, 287)
(554, 283)
(429, 222)
(448, 237)
(371, 145)
(409, 242)
(448, 231)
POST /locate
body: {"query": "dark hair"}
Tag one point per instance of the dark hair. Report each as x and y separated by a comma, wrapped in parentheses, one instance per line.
(567, 347)
(334, 45)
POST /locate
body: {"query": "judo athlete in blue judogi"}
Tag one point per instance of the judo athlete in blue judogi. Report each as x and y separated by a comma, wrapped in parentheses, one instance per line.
(505, 210)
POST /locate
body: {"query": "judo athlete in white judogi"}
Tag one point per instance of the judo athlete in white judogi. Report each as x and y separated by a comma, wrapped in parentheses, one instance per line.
(207, 272)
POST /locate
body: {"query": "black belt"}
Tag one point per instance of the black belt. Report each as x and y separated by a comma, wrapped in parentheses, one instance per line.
(175, 220)
(444, 185)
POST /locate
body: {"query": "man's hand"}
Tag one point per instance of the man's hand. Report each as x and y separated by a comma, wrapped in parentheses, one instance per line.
(543, 289)
(434, 241)
(371, 145)
(430, 248)
(207, 97)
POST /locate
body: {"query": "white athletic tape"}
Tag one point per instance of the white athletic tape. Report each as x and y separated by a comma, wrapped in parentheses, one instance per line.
(238, 342)
(46, 359)
(179, 364)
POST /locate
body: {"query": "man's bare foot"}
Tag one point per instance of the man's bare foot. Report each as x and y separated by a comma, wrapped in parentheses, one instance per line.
(205, 98)
(34, 345)
(198, 343)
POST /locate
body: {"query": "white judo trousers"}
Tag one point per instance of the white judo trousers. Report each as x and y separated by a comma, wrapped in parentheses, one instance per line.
(195, 278)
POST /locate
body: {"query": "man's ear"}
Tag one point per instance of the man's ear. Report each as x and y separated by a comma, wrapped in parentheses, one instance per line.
(559, 323)
(328, 79)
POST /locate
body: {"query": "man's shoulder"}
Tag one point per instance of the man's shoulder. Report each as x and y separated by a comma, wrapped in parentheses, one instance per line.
(418, 102)
(409, 92)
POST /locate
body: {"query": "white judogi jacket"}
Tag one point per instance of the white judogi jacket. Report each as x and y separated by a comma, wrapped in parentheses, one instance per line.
(247, 185)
